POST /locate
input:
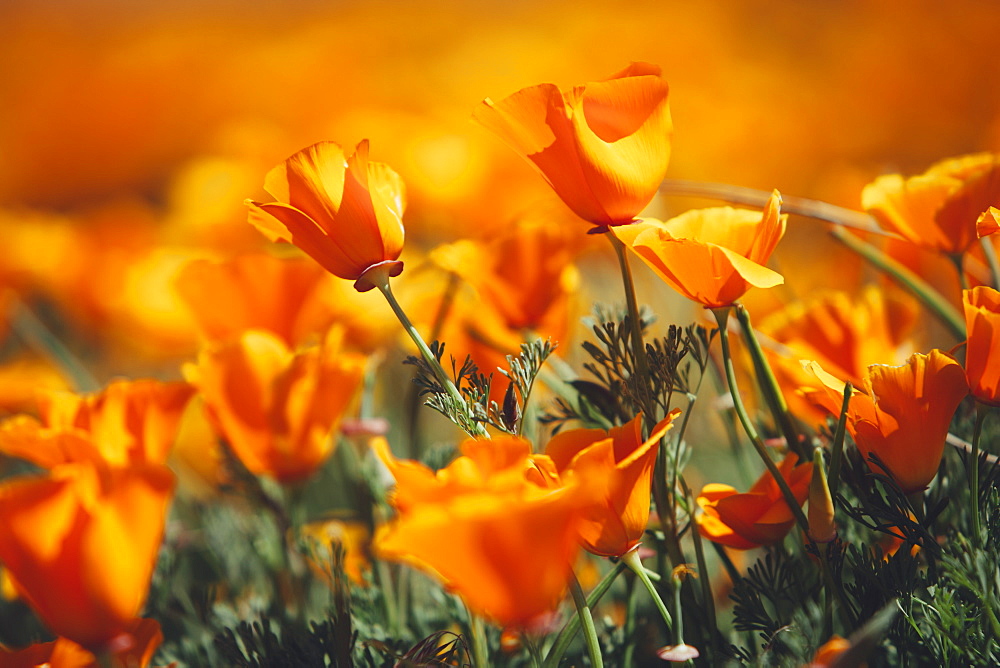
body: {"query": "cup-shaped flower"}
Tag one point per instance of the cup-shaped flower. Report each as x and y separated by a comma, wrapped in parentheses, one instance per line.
(900, 414)
(844, 333)
(82, 542)
(982, 352)
(277, 408)
(712, 256)
(616, 523)
(501, 542)
(758, 517)
(938, 209)
(128, 422)
(603, 147)
(344, 212)
(294, 298)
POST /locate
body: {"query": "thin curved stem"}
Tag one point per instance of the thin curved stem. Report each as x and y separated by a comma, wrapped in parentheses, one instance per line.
(587, 620)
(981, 412)
(568, 632)
(631, 559)
(382, 283)
(638, 346)
(931, 298)
(768, 383)
(722, 315)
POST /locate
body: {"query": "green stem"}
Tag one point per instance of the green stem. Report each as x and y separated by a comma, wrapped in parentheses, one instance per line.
(768, 383)
(381, 281)
(480, 650)
(727, 563)
(933, 299)
(809, 208)
(631, 601)
(536, 658)
(991, 261)
(981, 412)
(708, 598)
(638, 346)
(40, 338)
(566, 634)
(916, 500)
(837, 452)
(958, 259)
(587, 619)
(722, 315)
(631, 559)
(678, 613)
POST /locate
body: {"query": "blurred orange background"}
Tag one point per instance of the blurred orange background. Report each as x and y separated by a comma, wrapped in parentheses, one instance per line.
(147, 124)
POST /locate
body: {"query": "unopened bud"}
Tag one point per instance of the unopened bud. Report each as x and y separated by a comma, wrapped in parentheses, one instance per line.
(822, 527)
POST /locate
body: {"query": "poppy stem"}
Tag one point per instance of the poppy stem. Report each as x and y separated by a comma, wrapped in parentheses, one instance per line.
(768, 383)
(981, 412)
(37, 336)
(722, 316)
(958, 259)
(381, 281)
(708, 598)
(631, 559)
(931, 298)
(837, 447)
(990, 253)
(802, 206)
(480, 650)
(587, 619)
(568, 632)
(638, 346)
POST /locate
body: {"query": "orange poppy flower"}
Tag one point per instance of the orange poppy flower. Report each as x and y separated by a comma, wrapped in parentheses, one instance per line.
(939, 208)
(617, 522)
(144, 637)
(900, 413)
(982, 353)
(844, 333)
(82, 542)
(345, 213)
(758, 517)
(128, 422)
(603, 147)
(500, 541)
(525, 274)
(988, 223)
(712, 256)
(291, 297)
(277, 408)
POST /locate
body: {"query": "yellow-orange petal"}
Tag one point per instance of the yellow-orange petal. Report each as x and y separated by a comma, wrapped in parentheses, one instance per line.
(982, 352)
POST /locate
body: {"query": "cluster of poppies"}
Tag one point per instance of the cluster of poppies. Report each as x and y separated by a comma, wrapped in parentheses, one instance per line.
(285, 350)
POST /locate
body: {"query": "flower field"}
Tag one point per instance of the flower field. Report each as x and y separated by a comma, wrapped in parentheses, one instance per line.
(499, 334)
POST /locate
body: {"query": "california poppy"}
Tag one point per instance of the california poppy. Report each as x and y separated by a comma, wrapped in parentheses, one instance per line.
(755, 518)
(982, 353)
(128, 422)
(845, 333)
(900, 413)
(938, 209)
(618, 520)
(603, 146)
(344, 212)
(712, 256)
(503, 543)
(82, 542)
(277, 408)
(292, 297)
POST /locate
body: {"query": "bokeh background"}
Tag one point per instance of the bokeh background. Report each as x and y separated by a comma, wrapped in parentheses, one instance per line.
(131, 132)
